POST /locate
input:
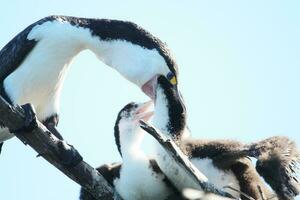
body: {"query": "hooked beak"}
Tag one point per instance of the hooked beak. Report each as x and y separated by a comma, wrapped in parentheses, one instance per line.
(142, 112)
(149, 87)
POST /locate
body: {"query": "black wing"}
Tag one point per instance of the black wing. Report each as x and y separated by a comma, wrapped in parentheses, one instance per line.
(109, 172)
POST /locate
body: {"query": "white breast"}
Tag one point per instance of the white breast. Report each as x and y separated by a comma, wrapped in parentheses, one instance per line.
(219, 178)
(138, 182)
(179, 177)
(39, 78)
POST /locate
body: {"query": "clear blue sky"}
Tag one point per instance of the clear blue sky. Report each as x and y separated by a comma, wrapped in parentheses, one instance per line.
(239, 74)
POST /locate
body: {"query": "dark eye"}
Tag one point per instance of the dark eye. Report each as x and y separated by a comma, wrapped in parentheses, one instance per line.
(172, 79)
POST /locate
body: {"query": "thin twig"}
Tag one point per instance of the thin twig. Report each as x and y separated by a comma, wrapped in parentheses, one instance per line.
(262, 196)
(238, 191)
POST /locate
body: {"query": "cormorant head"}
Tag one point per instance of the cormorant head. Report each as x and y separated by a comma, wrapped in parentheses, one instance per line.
(127, 124)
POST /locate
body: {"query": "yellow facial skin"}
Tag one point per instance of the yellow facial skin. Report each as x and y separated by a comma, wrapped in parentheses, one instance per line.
(173, 80)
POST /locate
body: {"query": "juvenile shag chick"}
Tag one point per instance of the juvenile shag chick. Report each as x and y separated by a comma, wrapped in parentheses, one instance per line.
(170, 118)
(278, 161)
(224, 163)
(225, 156)
(138, 178)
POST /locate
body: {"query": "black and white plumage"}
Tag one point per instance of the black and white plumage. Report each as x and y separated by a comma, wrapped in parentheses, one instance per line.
(34, 64)
(225, 162)
(138, 178)
(170, 118)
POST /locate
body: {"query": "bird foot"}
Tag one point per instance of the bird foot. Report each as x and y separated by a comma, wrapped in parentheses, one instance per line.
(30, 122)
(68, 155)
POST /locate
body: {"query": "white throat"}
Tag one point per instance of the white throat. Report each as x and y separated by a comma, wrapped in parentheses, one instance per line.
(137, 179)
(135, 63)
(130, 140)
(161, 116)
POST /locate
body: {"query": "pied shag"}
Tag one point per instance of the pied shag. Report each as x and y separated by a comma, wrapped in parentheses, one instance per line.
(34, 64)
(225, 163)
(138, 177)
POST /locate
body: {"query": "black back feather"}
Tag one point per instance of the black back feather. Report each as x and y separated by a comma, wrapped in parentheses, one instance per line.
(278, 162)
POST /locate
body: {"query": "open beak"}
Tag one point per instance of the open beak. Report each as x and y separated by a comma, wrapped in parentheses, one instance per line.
(149, 87)
(142, 111)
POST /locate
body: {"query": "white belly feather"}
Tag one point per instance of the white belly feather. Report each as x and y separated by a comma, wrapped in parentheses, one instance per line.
(177, 175)
(38, 80)
(215, 176)
(219, 178)
(138, 182)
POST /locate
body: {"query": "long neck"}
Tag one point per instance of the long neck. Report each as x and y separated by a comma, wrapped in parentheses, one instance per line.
(169, 114)
(69, 36)
(161, 117)
(46, 66)
(58, 40)
(126, 58)
(131, 143)
(120, 45)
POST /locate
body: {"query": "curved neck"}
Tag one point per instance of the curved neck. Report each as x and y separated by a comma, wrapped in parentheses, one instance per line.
(120, 45)
(58, 40)
(46, 66)
(69, 39)
(131, 142)
(169, 114)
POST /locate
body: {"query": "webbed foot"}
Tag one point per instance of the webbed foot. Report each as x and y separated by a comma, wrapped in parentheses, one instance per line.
(30, 122)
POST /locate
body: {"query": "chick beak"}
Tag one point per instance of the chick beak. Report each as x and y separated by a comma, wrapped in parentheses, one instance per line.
(142, 112)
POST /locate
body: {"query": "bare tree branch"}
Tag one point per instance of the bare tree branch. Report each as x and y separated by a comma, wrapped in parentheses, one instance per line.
(46, 144)
(182, 160)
